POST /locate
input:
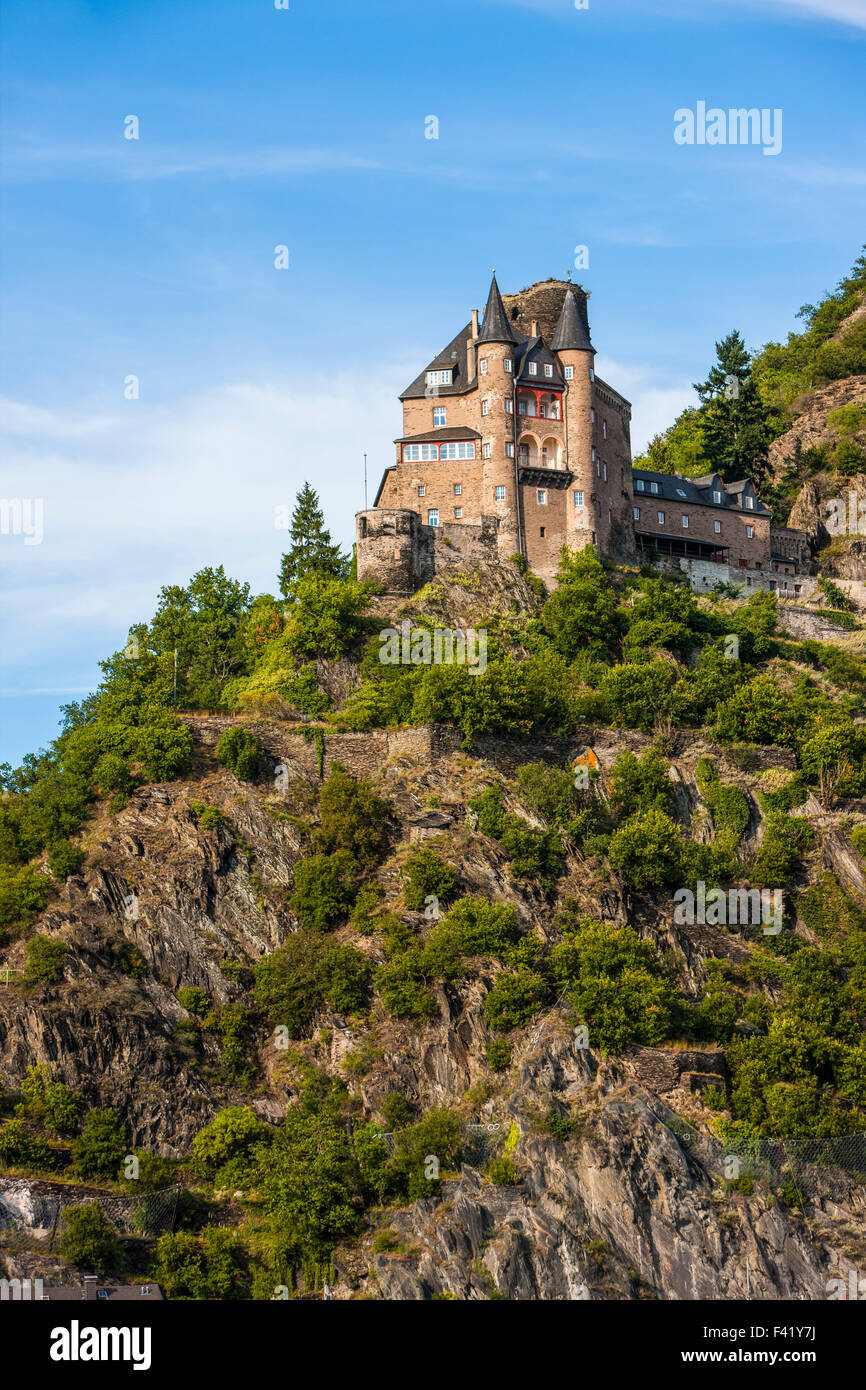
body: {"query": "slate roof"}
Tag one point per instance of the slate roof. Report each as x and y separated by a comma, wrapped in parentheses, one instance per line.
(453, 356)
(444, 432)
(534, 350)
(698, 491)
(495, 327)
(572, 331)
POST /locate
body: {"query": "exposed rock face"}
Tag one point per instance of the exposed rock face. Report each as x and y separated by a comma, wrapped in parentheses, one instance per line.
(811, 426)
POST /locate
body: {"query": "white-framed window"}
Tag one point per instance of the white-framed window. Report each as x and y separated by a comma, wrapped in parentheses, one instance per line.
(458, 512)
(654, 487)
(635, 511)
(422, 491)
(542, 497)
(499, 494)
(578, 499)
(685, 523)
(717, 527)
(440, 378)
(509, 406)
(482, 366)
(604, 471)
(458, 489)
(717, 496)
(420, 453)
(533, 369)
(439, 416)
(548, 369)
(509, 451)
(485, 451)
(661, 517)
(506, 364)
(604, 429)
(749, 501)
(433, 516)
(459, 449)
(569, 374)
(485, 407)
(592, 414)
(638, 484)
(750, 531)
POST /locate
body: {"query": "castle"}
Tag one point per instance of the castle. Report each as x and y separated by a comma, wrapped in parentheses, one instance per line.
(512, 444)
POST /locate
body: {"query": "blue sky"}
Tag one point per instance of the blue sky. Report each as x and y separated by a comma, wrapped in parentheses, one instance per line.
(306, 128)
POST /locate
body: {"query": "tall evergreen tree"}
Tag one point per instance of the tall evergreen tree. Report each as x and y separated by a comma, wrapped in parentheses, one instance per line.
(312, 552)
(734, 417)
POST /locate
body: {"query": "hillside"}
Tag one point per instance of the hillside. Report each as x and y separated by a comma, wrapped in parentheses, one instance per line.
(390, 975)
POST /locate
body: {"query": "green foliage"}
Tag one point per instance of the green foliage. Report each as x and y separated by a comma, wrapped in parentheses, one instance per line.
(88, 1240)
(734, 424)
(648, 850)
(785, 841)
(210, 1266)
(325, 618)
(241, 752)
(64, 859)
(504, 1172)
(101, 1146)
(193, 999)
(47, 1101)
(232, 1137)
(396, 1111)
(23, 892)
(533, 853)
(498, 1054)
(19, 1148)
(640, 784)
(352, 818)
(727, 805)
(311, 554)
(516, 996)
(324, 889)
(581, 616)
(45, 958)
(615, 984)
(295, 981)
(428, 875)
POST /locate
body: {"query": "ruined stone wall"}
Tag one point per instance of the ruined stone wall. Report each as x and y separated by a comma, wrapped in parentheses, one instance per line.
(396, 550)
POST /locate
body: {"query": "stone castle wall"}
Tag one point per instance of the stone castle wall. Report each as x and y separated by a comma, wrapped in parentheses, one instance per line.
(394, 548)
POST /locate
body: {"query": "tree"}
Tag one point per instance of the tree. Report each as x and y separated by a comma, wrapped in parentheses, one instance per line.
(88, 1240)
(312, 552)
(735, 434)
(101, 1146)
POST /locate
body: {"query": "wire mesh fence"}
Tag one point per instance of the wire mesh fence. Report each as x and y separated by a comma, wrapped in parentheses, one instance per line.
(40, 1210)
(831, 1167)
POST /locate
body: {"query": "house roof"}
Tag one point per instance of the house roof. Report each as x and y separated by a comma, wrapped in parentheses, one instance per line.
(444, 432)
(572, 331)
(495, 327)
(534, 350)
(698, 491)
(100, 1292)
(453, 356)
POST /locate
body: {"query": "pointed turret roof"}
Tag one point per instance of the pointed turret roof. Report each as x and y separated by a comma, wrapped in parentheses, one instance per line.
(495, 327)
(572, 331)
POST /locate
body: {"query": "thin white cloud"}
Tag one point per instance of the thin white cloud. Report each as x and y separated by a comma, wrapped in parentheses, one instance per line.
(654, 406)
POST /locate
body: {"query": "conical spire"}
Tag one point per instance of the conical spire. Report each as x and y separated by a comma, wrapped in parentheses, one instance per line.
(572, 333)
(495, 327)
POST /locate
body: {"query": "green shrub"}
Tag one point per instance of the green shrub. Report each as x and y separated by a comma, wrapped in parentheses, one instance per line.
(100, 1148)
(295, 981)
(23, 892)
(648, 850)
(640, 784)
(498, 1054)
(428, 876)
(47, 1101)
(727, 805)
(324, 889)
(232, 1135)
(504, 1172)
(515, 998)
(615, 984)
(45, 958)
(88, 1240)
(241, 752)
(352, 819)
(212, 1266)
(21, 1149)
(193, 999)
(396, 1111)
(64, 859)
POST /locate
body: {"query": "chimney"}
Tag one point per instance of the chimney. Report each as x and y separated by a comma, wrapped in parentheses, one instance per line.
(471, 349)
(474, 323)
(534, 333)
(90, 1283)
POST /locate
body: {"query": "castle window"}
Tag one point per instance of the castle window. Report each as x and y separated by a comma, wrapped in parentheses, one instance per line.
(485, 451)
(636, 513)
(605, 472)
(533, 369)
(440, 378)
(604, 429)
(750, 531)
(593, 453)
(578, 499)
(749, 501)
(483, 366)
(542, 497)
(718, 527)
(458, 488)
(569, 374)
(592, 414)
(458, 512)
(661, 517)
(717, 497)
(509, 406)
(461, 449)
(499, 494)
(591, 374)
(439, 415)
(433, 516)
(485, 407)
(509, 451)
(422, 491)
(639, 484)
(548, 369)
(506, 365)
(598, 468)
(685, 523)
(541, 532)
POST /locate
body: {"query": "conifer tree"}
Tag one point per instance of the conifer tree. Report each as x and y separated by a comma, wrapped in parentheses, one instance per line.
(734, 417)
(311, 552)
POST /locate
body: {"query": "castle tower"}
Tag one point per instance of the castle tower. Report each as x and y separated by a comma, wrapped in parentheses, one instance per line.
(576, 355)
(494, 359)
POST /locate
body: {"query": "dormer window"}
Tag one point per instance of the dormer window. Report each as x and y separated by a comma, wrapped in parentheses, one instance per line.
(548, 369)
(680, 492)
(717, 497)
(444, 377)
(749, 501)
(639, 484)
(533, 369)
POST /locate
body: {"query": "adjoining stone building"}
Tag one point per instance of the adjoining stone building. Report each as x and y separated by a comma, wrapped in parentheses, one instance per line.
(514, 444)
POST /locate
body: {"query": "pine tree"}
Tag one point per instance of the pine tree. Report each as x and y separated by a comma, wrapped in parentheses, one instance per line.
(734, 417)
(311, 552)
